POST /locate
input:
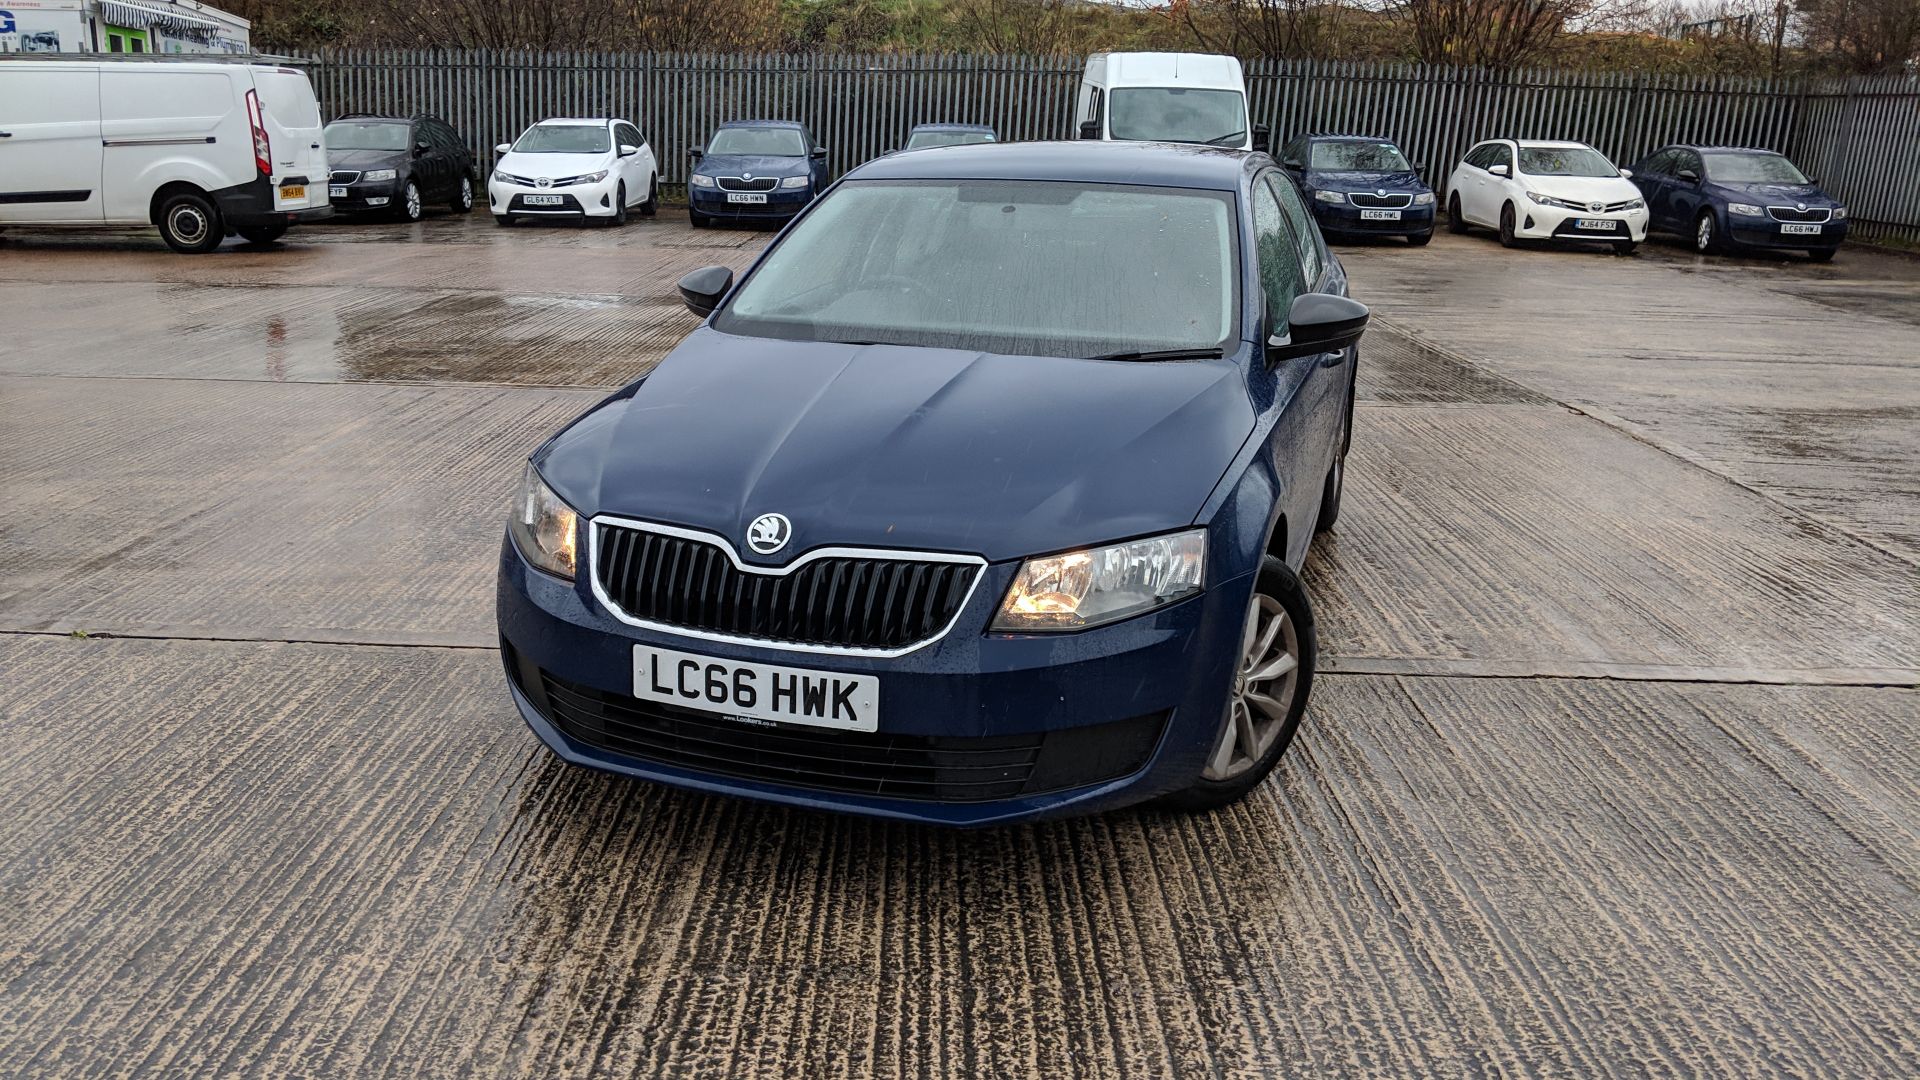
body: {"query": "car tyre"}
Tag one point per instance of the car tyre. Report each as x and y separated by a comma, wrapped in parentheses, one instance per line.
(1456, 221)
(1336, 482)
(262, 234)
(1268, 695)
(409, 208)
(619, 217)
(1822, 255)
(1624, 247)
(699, 220)
(652, 205)
(503, 220)
(1420, 239)
(463, 197)
(1507, 238)
(1706, 235)
(189, 222)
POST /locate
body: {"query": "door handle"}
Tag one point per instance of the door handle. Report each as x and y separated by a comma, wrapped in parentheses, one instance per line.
(6, 134)
(313, 146)
(1333, 359)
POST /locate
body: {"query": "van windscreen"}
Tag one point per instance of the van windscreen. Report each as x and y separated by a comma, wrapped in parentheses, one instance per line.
(1170, 114)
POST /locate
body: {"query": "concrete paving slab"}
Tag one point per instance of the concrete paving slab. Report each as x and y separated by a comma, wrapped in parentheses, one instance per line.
(271, 860)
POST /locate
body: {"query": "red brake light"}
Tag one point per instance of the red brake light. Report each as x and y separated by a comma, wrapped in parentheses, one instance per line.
(262, 150)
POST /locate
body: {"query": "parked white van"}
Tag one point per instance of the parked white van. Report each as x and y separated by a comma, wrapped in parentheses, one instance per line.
(1167, 97)
(201, 149)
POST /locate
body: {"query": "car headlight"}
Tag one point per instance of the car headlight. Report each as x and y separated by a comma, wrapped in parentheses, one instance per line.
(379, 174)
(591, 178)
(1078, 589)
(1425, 198)
(1548, 200)
(1839, 213)
(700, 181)
(1636, 204)
(509, 178)
(1744, 209)
(792, 182)
(1331, 196)
(543, 527)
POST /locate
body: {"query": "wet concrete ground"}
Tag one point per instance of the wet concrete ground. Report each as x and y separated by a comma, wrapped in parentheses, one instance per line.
(1613, 772)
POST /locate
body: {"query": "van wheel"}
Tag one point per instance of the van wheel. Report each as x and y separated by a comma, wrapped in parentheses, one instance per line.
(1456, 222)
(189, 223)
(261, 234)
(1268, 694)
(410, 206)
(463, 198)
(652, 205)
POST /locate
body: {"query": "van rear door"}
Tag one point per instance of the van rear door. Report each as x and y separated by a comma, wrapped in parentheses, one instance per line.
(49, 142)
(299, 154)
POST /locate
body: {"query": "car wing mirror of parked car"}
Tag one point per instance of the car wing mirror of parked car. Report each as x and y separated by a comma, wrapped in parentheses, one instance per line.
(1089, 129)
(1262, 137)
(502, 148)
(420, 148)
(1499, 170)
(1688, 175)
(702, 290)
(628, 150)
(696, 153)
(819, 153)
(1316, 323)
(1626, 174)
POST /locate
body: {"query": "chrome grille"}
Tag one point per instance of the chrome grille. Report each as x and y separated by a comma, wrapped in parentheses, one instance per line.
(735, 183)
(866, 602)
(343, 177)
(1794, 213)
(1392, 200)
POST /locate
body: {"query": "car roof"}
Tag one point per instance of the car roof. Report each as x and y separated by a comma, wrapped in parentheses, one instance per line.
(1091, 161)
(1549, 144)
(795, 124)
(1723, 149)
(380, 117)
(951, 127)
(574, 121)
(1325, 136)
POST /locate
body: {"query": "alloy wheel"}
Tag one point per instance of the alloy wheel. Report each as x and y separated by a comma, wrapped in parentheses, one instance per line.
(1263, 689)
(1703, 236)
(413, 203)
(466, 193)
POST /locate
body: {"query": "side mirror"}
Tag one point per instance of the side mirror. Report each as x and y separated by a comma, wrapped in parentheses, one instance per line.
(696, 153)
(819, 153)
(1499, 170)
(703, 289)
(1262, 137)
(1089, 129)
(502, 148)
(1420, 166)
(627, 150)
(1318, 323)
(1688, 175)
(1626, 174)
(420, 148)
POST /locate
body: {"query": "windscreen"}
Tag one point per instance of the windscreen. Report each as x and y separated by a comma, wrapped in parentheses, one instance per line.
(758, 142)
(1169, 114)
(1752, 169)
(564, 139)
(1014, 267)
(1358, 156)
(1565, 161)
(366, 135)
(920, 140)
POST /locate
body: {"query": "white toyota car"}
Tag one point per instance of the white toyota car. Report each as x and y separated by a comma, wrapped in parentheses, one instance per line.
(1532, 190)
(596, 169)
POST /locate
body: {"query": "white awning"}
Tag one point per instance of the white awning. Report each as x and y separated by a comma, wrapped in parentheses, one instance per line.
(169, 21)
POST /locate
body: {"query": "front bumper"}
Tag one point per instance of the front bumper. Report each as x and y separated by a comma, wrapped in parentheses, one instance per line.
(1348, 218)
(576, 200)
(1169, 669)
(368, 196)
(1763, 232)
(1538, 222)
(781, 203)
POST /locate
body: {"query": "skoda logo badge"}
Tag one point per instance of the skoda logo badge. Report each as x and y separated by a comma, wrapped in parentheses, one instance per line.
(1382, 192)
(769, 533)
(545, 181)
(746, 176)
(1802, 208)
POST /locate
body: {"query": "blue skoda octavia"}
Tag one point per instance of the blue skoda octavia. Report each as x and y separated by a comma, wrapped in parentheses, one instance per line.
(755, 170)
(1729, 198)
(1361, 186)
(980, 496)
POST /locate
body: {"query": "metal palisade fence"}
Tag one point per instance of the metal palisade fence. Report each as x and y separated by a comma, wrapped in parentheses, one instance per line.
(1859, 137)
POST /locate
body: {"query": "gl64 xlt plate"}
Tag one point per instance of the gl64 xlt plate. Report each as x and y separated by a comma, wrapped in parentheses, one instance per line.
(757, 692)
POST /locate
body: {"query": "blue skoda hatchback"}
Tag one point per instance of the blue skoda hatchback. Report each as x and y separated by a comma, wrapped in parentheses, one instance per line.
(755, 169)
(980, 496)
(1728, 198)
(1361, 186)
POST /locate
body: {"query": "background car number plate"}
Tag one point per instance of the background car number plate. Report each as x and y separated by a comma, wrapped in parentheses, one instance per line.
(1379, 215)
(736, 197)
(293, 191)
(336, 192)
(543, 200)
(1608, 224)
(1801, 230)
(757, 692)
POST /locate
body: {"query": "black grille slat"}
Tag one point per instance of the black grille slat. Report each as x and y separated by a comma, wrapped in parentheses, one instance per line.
(846, 601)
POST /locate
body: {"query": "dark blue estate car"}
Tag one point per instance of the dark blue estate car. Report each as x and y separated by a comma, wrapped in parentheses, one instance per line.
(1361, 186)
(1725, 198)
(980, 496)
(755, 169)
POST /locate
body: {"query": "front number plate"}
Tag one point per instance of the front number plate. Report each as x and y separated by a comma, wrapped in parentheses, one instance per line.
(738, 198)
(337, 191)
(757, 693)
(1602, 224)
(1801, 230)
(545, 200)
(1379, 215)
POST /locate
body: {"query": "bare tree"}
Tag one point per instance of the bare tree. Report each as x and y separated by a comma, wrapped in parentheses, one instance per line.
(1274, 29)
(1864, 35)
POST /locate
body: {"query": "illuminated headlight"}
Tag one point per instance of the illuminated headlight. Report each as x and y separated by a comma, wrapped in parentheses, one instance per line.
(1744, 209)
(792, 182)
(1839, 213)
(379, 174)
(1425, 198)
(543, 527)
(1331, 196)
(1078, 589)
(700, 181)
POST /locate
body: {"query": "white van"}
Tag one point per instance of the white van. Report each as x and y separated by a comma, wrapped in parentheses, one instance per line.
(201, 149)
(1167, 97)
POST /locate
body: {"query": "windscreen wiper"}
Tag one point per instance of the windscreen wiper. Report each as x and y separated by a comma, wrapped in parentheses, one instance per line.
(1163, 354)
